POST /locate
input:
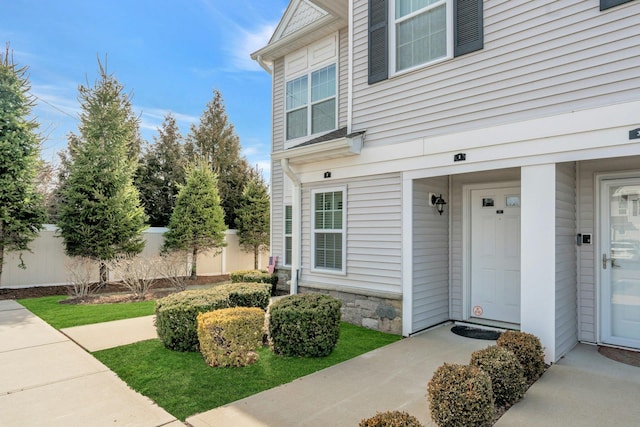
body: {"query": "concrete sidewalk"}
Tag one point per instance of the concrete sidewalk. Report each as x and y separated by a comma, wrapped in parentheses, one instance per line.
(101, 336)
(46, 379)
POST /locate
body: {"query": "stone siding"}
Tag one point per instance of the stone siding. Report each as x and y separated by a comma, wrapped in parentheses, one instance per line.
(382, 314)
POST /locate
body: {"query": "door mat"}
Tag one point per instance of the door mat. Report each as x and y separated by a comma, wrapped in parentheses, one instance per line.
(619, 355)
(476, 333)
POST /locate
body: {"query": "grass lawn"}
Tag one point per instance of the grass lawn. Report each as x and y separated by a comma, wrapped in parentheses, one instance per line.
(183, 384)
(67, 315)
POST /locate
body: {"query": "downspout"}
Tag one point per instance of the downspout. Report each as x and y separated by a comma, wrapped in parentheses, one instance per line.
(296, 226)
(350, 71)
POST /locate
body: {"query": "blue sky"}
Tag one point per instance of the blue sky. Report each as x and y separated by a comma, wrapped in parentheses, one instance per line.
(169, 55)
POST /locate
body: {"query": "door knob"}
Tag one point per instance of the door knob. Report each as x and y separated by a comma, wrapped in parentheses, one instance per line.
(605, 259)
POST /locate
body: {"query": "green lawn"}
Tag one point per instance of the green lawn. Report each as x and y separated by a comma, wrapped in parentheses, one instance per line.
(183, 384)
(67, 315)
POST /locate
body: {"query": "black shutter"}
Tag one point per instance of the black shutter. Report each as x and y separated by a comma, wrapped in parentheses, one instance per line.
(378, 45)
(606, 4)
(467, 26)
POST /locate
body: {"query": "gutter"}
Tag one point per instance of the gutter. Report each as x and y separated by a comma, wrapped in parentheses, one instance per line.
(296, 226)
(264, 65)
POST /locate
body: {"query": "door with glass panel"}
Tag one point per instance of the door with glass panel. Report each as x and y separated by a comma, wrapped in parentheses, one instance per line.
(620, 261)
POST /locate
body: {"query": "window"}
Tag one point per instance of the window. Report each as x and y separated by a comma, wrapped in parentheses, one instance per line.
(288, 227)
(311, 108)
(328, 230)
(607, 4)
(405, 34)
(420, 28)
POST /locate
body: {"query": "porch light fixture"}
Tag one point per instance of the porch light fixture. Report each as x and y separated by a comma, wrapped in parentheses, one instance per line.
(438, 202)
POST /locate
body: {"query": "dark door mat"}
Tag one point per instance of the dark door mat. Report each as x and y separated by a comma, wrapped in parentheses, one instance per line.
(477, 333)
(619, 355)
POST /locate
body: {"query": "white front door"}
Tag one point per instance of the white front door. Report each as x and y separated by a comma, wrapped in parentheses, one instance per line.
(620, 261)
(495, 254)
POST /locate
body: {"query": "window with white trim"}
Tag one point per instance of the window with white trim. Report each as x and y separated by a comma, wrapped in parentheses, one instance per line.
(288, 227)
(420, 32)
(328, 230)
(311, 105)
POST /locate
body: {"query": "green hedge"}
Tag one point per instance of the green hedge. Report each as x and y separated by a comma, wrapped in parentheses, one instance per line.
(391, 419)
(528, 350)
(506, 373)
(231, 336)
(176, 314)
(255, 276)
(461, 396)
(305, 325)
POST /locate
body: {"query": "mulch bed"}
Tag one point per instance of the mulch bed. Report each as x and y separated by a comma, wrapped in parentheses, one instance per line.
(111, 293)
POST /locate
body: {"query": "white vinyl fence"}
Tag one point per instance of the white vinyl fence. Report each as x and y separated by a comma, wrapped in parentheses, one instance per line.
(46, 263)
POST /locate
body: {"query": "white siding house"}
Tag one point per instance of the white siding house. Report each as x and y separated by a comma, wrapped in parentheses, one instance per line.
(523, 116)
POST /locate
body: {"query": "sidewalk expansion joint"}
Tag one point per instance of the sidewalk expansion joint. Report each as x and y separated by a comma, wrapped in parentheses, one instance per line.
(34, 346)
(88, 374)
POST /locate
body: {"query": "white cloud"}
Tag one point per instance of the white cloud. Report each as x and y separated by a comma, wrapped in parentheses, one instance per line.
(247, 42)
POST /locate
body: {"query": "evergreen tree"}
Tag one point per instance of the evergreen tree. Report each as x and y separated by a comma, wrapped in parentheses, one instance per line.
(215, 140)
(22, 211)
(99, 214)
(197, 222)
(161, 171)
(253, 217)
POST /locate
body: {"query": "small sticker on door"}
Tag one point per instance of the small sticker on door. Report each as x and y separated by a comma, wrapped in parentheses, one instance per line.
(477, 311)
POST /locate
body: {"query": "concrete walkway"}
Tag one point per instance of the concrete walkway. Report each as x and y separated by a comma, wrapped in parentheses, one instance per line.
(46, 379)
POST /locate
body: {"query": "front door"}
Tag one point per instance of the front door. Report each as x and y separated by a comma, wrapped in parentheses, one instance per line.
(620, 261)
(495, 254)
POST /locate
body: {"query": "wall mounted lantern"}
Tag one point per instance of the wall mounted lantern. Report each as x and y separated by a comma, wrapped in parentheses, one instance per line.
(438, 202)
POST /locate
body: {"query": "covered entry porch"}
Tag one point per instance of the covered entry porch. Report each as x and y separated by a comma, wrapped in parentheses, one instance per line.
(547, 228)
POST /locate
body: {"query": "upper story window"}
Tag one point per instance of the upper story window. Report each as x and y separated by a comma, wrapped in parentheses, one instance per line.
(419, 31)
(311, 103)
(406, 34)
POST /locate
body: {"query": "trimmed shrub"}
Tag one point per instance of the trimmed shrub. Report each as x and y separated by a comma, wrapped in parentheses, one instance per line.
(527, 349)
(504, 369)
(391, 419)
(176, 314)
(231, 336)
(305, 325)
(255, 276)
(461, 396)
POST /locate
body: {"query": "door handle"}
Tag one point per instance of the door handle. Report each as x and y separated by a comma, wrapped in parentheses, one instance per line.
(605, 259)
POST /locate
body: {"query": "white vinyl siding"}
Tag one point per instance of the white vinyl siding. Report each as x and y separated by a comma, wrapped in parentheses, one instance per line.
(278, 106)
(539, 59)
(277, 213)
(430, 295)
(373, 239)
(566, 260)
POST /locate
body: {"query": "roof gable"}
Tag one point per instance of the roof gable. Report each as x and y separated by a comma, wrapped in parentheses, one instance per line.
(299, 14)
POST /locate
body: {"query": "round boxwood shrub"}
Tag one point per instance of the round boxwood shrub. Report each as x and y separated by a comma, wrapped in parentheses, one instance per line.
(461, 396)
(176, 314)
(305, 325)
(527, 349)
(391, 419)
(504, 369)
(231, 336)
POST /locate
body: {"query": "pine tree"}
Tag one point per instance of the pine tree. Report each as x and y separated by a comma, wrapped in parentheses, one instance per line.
(215, 140)
(99, 215)
(253, 217)
(22, 210)
(197, 222)
(161, 171)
